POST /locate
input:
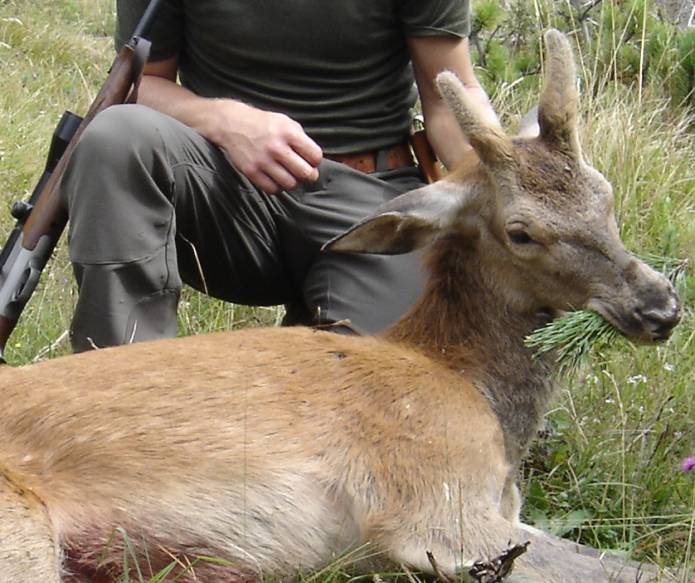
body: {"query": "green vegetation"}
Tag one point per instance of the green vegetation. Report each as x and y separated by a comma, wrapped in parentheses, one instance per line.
(606, 469)
(625, 42)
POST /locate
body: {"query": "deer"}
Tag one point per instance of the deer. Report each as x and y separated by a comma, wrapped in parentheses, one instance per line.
(277, 450)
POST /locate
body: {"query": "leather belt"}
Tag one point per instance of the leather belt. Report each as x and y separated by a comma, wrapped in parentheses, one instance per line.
(390, 158)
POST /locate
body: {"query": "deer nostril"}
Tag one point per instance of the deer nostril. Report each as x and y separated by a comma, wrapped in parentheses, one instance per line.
(661, 329)
(660, 321)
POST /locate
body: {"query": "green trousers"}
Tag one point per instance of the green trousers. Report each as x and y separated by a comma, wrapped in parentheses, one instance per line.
(152, 204)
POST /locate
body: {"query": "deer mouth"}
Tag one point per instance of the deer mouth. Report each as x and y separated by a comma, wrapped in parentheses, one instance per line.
(547, 315)
(641, 325)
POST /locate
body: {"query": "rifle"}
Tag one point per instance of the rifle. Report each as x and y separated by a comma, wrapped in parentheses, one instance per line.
(42, 219)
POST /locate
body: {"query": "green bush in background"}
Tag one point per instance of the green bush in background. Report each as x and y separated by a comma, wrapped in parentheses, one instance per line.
(628, 41)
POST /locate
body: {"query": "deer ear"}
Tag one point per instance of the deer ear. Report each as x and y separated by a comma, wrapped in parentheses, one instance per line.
(406, 223)
(559, 102)
(486, 136)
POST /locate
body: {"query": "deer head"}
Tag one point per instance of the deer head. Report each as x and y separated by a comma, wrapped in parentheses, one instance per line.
(541, 219)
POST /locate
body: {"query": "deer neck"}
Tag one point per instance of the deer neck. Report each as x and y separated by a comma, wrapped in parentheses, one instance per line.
(465, 321)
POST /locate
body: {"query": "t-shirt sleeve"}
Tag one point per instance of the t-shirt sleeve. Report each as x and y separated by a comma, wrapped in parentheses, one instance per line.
(435, 17)
(166, 33)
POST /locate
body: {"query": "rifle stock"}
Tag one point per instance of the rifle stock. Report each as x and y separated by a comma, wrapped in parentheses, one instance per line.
(41, 220)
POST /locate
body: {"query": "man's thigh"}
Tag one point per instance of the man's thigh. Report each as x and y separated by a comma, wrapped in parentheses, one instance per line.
(368, 290)
(140, 181)
(226, 236)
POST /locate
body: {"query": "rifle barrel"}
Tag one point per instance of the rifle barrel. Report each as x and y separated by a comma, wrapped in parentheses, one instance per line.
(147, 19)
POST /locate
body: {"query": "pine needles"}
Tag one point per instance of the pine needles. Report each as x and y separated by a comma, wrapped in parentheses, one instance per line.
(576, 335)
(573, 337)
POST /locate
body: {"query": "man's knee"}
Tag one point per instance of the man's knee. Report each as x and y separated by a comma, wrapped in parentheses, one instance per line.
(121, 143)
(118, 186)
(121, 131)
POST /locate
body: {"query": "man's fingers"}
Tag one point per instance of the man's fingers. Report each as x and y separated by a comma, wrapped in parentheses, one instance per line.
(300, 168)
(265, 183)
(307, 148)
(272, 177)
(281, 177)
(287, 167)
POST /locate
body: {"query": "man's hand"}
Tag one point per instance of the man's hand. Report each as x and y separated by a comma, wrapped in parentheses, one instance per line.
(270, 149)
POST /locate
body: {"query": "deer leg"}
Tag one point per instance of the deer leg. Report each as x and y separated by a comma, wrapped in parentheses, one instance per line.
(511, 500)
(447, 541)
(473, 535)
(28, 551)
(424, 556)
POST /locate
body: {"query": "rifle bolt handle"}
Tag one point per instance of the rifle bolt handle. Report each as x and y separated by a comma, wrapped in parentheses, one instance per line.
(21, 210)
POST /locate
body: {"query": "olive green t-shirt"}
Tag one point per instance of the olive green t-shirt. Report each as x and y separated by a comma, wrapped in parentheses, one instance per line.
(339, 67)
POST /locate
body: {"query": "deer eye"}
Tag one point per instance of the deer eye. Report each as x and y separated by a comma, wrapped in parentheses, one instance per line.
(519, 237)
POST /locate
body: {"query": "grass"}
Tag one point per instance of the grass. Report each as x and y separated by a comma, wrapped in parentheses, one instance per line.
(606, 469)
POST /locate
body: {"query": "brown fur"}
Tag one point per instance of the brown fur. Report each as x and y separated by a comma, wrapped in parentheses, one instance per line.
(316, 444)
(279, 450)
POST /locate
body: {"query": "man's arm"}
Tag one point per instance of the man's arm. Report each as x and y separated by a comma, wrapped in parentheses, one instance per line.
(270, 149)
(431, 55)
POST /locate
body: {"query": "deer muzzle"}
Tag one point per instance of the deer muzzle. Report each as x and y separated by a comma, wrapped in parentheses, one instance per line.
(646, 309)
